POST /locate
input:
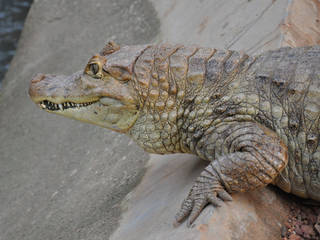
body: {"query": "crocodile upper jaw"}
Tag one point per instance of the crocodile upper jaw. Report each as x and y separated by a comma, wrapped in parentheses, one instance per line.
(65, 95)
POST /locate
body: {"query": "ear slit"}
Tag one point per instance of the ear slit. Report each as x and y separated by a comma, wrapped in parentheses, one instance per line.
(107, 72)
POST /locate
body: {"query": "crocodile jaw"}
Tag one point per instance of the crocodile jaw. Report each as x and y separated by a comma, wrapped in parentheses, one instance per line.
(65, 95)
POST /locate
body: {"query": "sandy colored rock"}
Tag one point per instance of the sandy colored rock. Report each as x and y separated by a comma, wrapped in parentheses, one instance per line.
(154, 202)
(302, 25)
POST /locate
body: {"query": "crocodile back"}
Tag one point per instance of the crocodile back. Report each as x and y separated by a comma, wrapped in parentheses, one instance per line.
(287, 82)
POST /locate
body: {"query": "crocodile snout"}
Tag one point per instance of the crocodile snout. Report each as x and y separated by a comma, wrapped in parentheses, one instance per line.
(44, 85)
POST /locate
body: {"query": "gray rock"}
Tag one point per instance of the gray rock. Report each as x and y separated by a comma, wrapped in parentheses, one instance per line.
(62, 179)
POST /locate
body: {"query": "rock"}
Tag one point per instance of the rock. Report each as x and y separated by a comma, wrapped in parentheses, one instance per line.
(302, 219)
(255, 215)
(307, 230)
(284, 231)
(294, 237)
(302, 25)
(61, 179)
(317, 227)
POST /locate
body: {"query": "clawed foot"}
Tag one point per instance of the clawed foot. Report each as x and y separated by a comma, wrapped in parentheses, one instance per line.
(207, 189)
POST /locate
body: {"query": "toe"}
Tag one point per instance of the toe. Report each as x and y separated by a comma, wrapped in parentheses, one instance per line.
(199, 204)
(215, 201)
(184, 211)
(224, 195)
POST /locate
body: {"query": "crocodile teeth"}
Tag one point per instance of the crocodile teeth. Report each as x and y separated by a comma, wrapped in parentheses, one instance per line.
(61, 106)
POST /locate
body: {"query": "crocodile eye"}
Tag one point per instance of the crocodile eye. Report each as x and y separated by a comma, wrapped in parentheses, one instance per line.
(94, 68)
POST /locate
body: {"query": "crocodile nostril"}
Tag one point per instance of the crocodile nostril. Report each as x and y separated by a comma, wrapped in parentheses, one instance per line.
(38, 78)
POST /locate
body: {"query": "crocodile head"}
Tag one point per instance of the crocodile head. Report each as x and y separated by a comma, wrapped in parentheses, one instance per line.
(103, 94)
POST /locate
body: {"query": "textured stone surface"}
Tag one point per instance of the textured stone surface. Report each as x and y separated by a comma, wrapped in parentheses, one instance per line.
(253, 26)
(152, 205)
(302, 25)
(61, 179)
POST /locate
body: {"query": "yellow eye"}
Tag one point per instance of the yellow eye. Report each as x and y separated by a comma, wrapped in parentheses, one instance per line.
(94, 68)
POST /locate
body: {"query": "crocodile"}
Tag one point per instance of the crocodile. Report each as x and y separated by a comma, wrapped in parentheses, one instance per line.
(254, 118)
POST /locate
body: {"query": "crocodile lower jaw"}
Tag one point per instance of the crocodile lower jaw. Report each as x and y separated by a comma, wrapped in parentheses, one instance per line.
(51, 106)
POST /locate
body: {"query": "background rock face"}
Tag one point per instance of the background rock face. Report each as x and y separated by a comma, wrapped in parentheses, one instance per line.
(61, 179)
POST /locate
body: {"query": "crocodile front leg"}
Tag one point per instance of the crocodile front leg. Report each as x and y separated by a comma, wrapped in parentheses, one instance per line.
(245, 156)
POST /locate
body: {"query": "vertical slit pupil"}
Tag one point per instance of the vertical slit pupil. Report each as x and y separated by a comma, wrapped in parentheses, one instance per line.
(94, 68)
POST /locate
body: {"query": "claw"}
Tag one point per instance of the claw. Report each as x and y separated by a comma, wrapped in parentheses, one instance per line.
(202, 193)
(199, 204)
(185, 210)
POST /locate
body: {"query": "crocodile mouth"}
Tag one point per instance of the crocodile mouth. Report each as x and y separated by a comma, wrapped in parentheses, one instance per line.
(51, 106)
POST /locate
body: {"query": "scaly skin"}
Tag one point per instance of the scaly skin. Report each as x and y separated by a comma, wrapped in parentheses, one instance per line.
(256, 119)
